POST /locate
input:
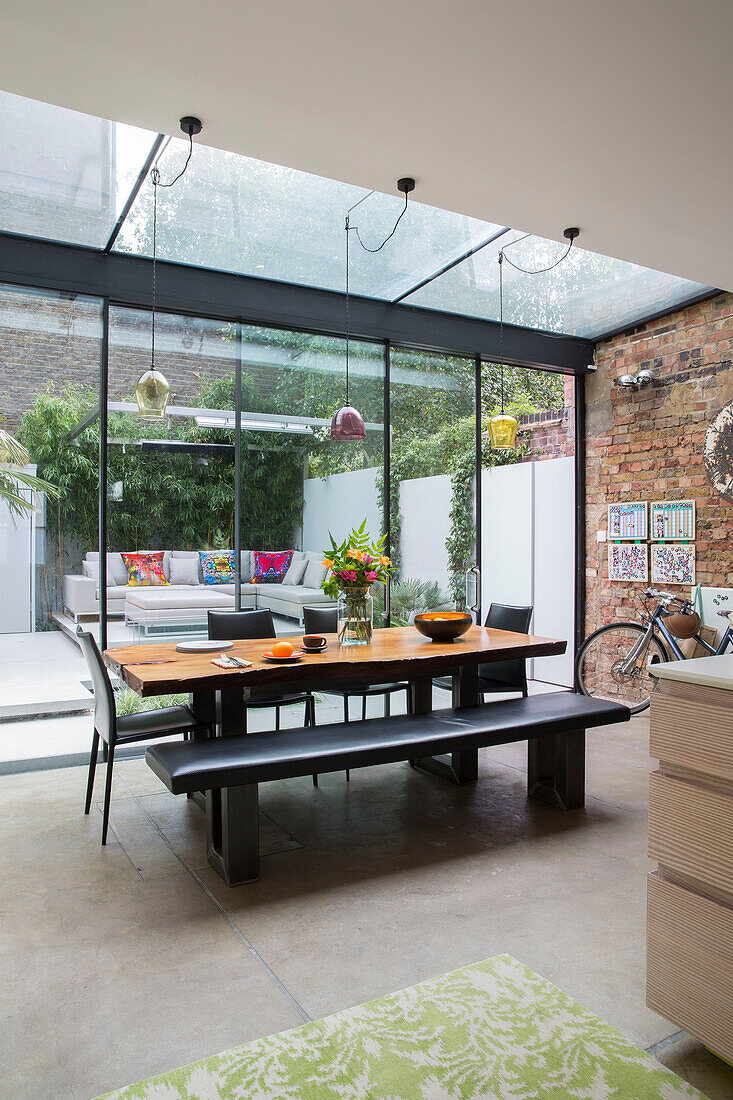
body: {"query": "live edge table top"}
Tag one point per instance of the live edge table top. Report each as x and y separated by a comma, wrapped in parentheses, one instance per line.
(394, 653)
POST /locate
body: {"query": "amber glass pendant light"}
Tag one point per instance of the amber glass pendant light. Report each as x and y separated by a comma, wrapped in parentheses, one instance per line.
(152, 392)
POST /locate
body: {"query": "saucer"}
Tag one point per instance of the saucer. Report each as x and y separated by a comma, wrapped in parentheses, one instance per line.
(294, 656)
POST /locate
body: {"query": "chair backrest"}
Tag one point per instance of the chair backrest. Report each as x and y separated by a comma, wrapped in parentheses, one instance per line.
(505, 616)
(506, 676)
(226, 626)
(320, 620)
(105, 714)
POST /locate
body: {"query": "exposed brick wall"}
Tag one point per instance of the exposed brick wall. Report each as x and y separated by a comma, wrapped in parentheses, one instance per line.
(550, 434)
(647, 444)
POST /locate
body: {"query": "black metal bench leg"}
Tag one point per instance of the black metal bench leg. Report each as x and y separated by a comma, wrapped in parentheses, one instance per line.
(232, 815)
(556, 769)
(92, 770)
(457, 767)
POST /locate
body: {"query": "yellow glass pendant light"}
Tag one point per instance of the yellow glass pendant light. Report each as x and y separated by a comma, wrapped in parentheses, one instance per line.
(502, 427)
(152, 394)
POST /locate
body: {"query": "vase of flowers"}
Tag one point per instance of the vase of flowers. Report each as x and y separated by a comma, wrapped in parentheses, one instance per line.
(354, 566)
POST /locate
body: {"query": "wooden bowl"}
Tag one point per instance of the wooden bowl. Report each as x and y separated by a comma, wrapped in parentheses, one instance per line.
(443, 626)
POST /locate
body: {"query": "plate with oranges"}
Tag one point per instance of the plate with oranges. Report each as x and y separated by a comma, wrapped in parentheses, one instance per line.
(283, 651)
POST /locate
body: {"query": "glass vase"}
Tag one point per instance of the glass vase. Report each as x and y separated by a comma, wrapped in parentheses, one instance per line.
(355, 617)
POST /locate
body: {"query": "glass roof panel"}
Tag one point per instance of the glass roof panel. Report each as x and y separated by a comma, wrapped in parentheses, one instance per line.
(585, 295)
(65, 176)
(237, 214)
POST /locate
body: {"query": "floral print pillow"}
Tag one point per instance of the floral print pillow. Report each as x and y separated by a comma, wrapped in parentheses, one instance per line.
(271, 566)
(217, 566)
(144, 569)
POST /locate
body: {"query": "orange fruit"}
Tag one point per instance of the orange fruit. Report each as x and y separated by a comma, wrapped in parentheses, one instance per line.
(282, 649)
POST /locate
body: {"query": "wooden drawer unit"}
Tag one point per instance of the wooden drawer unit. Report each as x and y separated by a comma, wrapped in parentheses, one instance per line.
(691, 830)
(691, 733)
(690, 962)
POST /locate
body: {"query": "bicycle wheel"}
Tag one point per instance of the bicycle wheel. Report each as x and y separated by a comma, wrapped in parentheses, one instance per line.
(602, 670)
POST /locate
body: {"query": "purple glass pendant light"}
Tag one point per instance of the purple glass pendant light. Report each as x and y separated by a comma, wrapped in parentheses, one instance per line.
(347, 425)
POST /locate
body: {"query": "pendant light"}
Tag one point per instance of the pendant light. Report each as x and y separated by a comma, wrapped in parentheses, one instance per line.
(347, 425)
(152, 391)
(503, 426)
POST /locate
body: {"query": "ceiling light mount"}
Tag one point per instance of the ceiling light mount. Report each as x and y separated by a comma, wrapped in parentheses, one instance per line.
(406, 184)
(571, 233)
(190, 125)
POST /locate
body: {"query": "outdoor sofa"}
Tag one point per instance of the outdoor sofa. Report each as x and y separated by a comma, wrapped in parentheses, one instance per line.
(153, 606)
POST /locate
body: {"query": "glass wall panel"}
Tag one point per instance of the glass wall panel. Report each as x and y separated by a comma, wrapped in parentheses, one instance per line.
(64, 175)
(432, 474)
(50, 348)
(585, 295)
(298, 486)
(234, 213)
(170, 481)
(528, 509)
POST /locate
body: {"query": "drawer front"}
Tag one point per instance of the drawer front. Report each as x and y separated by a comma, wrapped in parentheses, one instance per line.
(691, 830)
(690, 963)
(693, 735)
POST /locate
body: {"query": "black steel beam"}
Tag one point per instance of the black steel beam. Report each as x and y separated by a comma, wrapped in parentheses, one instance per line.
(580, 537)
(134, 191)
(126, 280)
(451, 264)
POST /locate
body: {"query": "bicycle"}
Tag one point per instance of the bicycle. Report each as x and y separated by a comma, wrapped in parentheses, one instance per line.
(614, 663)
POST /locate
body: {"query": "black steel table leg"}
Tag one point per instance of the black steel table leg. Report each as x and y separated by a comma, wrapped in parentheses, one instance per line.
(457, 767)
(556, 769)
(232, 814)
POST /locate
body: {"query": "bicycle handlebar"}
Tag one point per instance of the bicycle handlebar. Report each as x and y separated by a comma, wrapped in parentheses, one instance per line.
(666, 597)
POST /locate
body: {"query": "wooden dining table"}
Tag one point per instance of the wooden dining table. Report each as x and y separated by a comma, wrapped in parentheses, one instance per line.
(218, 696)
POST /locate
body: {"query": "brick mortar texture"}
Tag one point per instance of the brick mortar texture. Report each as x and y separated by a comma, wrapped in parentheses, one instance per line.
(647, 444)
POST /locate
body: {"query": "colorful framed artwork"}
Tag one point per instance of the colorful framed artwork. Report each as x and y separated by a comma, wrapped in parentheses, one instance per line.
(673, 563)
(628, 520)
(672, 520)
(628, 561)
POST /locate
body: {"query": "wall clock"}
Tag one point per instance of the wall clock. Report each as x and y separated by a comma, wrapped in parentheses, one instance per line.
(718, 452)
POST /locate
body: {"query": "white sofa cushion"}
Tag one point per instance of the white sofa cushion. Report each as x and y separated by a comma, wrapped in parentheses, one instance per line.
(296, 570)
(184, 570)
(116, 568)
(290, 594)
(315, 574)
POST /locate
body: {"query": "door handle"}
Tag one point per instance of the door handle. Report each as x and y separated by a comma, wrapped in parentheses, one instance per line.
(476, 572)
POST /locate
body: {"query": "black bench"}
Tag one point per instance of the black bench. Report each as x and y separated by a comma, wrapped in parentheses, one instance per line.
(553, 724)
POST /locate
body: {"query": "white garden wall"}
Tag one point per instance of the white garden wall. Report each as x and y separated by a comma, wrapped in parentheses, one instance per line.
(337, 503)
(425, 509)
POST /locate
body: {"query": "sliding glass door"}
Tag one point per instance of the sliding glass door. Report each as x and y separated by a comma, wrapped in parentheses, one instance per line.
(433, 461)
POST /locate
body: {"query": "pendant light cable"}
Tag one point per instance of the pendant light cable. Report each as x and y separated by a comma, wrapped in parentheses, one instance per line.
(157, 182)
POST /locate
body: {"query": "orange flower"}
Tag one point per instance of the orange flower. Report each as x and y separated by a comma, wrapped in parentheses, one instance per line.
(383, 560)
(357, 554)
(327, 562)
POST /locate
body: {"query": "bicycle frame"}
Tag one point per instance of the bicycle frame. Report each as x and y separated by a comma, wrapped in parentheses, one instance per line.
(656, 625)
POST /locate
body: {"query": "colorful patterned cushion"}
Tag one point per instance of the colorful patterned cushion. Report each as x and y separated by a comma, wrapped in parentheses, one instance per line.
(144, 569)
(271, 566)
(217, 566)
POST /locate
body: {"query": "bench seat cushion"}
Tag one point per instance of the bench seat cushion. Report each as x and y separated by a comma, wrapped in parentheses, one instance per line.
(259, 757)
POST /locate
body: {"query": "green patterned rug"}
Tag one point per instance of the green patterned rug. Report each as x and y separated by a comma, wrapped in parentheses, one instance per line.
(494, 1030)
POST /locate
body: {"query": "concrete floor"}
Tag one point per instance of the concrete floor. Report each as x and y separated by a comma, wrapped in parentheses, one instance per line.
(126, 961)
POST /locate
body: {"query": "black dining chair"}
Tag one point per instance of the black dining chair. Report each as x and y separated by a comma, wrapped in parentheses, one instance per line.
(124, 729)
(501, 677)
(233, 625)
(324, 620)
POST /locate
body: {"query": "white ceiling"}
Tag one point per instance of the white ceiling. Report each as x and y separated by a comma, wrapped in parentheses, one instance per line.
(613, 115)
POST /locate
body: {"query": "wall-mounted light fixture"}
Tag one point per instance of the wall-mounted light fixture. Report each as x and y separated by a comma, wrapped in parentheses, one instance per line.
(645, 377)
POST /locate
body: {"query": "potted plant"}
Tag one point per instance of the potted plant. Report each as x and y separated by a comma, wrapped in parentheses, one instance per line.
(355, 565)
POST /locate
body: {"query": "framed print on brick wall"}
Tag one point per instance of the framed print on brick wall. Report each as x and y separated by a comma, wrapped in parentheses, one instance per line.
(673, 563)
(628, 520)
(628, 561)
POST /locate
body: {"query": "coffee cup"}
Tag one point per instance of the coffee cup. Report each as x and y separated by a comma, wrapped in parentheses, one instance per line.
(314, 642)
